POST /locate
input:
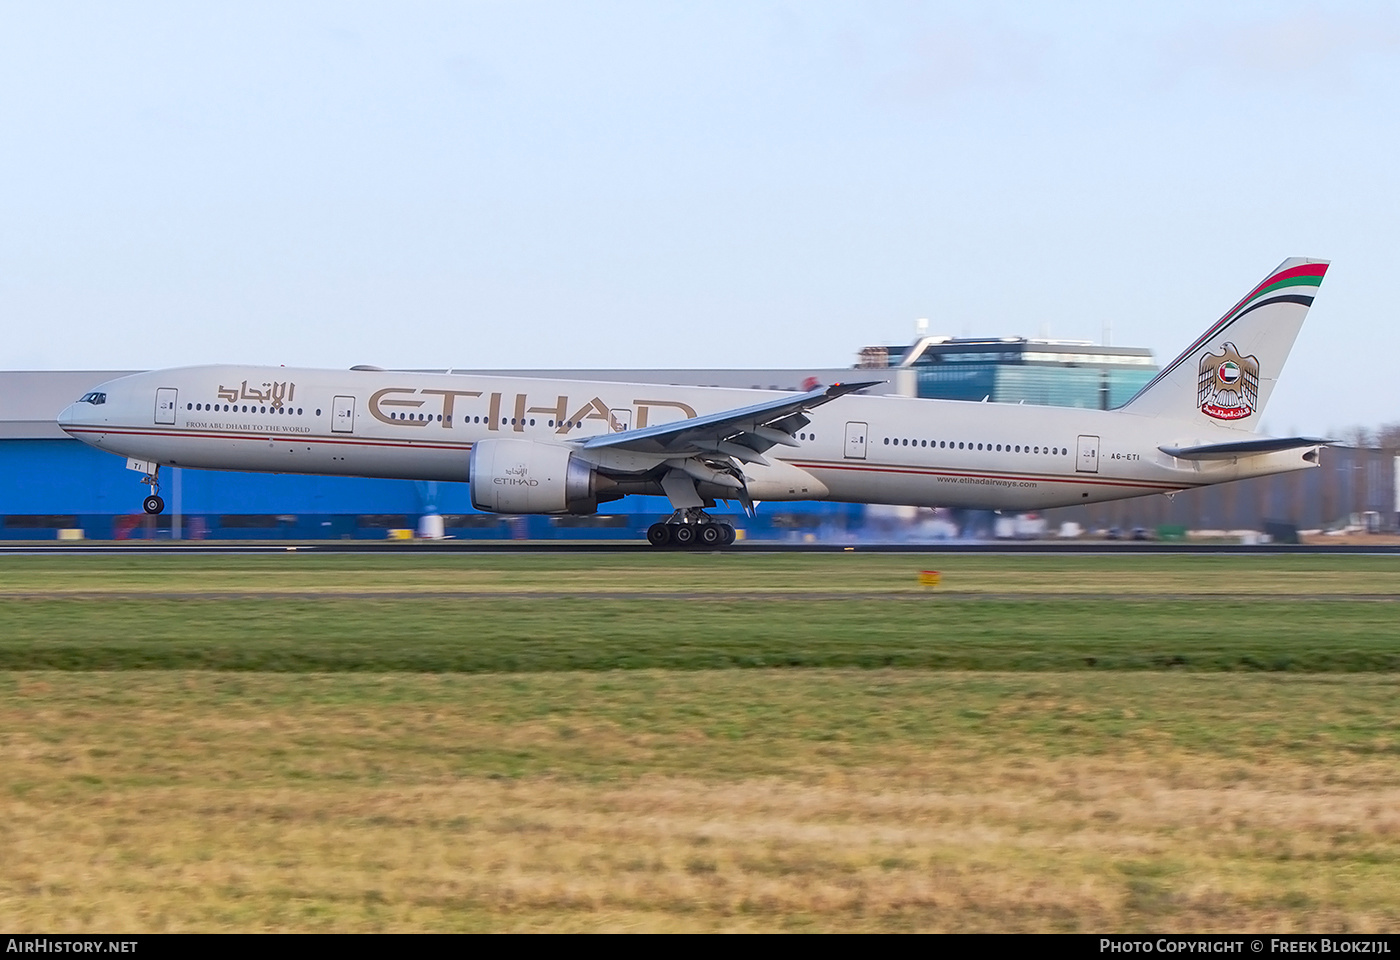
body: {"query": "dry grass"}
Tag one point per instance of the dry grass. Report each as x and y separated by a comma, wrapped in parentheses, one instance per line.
(761, 799)
(830, 800)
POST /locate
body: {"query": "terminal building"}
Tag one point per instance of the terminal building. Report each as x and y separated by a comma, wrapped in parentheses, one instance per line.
(1056, 373)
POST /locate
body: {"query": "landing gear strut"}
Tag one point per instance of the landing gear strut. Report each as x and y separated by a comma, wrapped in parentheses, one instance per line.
(688, 528)
(153, 504)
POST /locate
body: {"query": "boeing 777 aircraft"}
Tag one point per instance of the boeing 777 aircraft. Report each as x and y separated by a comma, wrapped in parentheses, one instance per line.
(565, 446)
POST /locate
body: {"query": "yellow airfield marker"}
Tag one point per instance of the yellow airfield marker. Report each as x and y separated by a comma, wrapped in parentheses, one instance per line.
(929, 578)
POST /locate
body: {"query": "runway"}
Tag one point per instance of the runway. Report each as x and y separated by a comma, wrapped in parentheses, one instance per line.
(617, 547)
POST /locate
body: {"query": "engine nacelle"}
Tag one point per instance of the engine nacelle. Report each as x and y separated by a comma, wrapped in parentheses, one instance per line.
(525, 476)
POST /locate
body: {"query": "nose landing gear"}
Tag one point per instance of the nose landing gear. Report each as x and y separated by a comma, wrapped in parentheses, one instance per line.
(688, 528)
(153, 504)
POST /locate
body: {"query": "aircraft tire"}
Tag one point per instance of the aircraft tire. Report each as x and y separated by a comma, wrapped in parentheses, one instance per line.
(659, 535)
(153, 504)
(729, 536)
(683, 535)
(711, 535)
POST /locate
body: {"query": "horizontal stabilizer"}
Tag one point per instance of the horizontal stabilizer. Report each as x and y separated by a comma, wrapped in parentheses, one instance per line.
(1243, 448)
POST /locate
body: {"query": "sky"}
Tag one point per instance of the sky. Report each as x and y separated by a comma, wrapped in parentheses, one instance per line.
(678, 184)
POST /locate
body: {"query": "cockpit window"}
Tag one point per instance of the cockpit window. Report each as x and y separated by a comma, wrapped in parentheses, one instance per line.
(95, 397)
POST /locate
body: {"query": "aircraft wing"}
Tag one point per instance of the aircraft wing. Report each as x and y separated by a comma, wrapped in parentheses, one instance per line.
(744, 433)
(1243, 448)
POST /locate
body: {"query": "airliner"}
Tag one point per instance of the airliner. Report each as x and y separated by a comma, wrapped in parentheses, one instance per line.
(543, 446)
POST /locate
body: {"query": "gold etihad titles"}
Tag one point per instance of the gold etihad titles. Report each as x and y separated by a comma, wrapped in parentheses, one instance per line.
(400, 406)
(275, 394)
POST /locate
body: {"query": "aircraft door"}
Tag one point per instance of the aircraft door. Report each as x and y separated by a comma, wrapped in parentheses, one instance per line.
(166, 399)
(855, 440)
(1088, 459)
(343, 415)
(621, 419)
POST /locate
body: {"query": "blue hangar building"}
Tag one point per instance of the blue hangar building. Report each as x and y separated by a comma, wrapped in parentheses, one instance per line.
(55, 486)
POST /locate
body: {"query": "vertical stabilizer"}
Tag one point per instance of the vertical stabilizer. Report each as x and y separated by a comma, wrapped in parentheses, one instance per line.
(1226, 377)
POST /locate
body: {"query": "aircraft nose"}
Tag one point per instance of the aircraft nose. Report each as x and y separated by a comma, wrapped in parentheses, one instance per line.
(67, 417)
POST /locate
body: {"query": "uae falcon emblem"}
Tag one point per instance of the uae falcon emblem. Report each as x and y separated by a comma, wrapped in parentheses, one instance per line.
(1228, 384)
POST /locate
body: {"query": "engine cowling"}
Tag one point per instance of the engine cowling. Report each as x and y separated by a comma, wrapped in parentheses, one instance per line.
(525, 476)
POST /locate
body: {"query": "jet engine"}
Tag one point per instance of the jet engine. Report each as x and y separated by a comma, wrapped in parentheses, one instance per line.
(525, 476)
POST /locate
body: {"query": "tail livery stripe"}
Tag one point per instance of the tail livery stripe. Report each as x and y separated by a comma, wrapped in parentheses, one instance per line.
(1306, 275)
(1286, 298)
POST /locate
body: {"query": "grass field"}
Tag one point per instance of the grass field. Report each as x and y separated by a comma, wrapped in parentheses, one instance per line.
(563, 743)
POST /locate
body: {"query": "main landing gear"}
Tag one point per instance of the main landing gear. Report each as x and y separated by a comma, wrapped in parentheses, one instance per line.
(690, 528)
(153, 504)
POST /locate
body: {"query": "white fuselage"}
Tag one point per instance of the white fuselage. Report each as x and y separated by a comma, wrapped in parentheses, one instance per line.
(862, 449)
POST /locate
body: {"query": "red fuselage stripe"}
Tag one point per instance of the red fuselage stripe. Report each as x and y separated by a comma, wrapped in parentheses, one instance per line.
(1077, 479)
(273, 437)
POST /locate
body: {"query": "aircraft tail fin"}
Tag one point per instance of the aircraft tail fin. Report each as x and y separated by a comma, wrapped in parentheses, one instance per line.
(1226, 376)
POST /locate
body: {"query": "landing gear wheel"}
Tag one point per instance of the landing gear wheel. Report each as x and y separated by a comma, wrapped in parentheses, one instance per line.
(729, 536)
(711, 535)
(659, 535)
(153, 504)
(683, 534)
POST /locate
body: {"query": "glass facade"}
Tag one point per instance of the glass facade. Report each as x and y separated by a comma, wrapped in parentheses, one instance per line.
(971, 381)
(1049, 373)
(1069, 386)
